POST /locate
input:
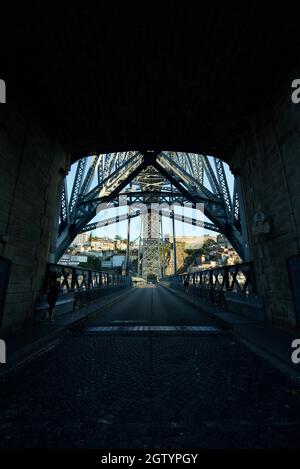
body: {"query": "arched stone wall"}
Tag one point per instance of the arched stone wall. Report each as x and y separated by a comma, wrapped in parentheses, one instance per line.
(31, 167)
(268, 160)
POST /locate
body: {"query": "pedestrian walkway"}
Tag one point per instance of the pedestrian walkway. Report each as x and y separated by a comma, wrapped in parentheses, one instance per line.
(99, 385)
(27, 340)
(270, 340)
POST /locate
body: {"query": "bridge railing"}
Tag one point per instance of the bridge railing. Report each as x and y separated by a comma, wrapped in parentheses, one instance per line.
(233, 278)
(80, 279)
(234, 282)
(79, 287)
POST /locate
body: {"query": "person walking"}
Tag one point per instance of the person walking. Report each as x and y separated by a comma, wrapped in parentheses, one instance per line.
(186, 284)
(52, 295)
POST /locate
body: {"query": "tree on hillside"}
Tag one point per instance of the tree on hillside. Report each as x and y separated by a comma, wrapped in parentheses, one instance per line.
(92, 263)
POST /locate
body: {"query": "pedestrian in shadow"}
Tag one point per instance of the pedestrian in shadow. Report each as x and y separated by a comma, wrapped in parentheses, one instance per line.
(186, 284)
(52, 294)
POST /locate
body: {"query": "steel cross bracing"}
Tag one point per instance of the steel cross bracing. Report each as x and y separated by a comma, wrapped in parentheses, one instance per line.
(151, 242)
(64, 207)
(137, 213)
(128, 178)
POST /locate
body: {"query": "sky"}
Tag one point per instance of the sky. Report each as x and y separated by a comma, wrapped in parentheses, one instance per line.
(120, 229)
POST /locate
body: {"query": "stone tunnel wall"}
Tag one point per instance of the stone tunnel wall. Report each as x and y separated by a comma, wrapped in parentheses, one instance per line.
(30, 170)
(268, 159)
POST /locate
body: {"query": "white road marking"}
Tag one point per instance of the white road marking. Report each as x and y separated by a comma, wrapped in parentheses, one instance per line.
(125, 328)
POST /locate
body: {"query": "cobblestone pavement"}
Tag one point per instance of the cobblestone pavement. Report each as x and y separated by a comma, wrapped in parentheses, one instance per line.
(150, 391)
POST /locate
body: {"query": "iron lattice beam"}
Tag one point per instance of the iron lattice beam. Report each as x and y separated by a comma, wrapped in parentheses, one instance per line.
(137, 213)
(151, 242)
(64, 207)
(77, 186)
(184, 179)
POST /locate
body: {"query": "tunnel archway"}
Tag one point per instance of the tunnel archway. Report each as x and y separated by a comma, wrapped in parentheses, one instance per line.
(88, 99)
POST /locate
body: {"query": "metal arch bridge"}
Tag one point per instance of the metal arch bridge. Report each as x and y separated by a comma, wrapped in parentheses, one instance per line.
(151, 179)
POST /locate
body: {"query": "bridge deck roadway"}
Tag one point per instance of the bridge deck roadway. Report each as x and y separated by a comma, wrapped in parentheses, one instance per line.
(151, 305)
(150, 389)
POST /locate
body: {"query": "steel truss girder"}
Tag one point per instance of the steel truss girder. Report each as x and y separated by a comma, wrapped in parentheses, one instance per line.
(196, 167)
(221, 218)
(64, 209)
(100, 171)
(190, 162)
(211, 176)
(213, 208)
(151, 243)
(223, 185)
(90, 175)
(236, 206)
(86, 209)
(113, 180)
(76, 187)
(197, 189)
(184, 171)
(144, 197)
(137, 213)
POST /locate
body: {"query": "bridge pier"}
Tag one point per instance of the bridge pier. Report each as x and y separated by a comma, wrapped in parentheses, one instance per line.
(151, 244)
(174, 244)
(128, 244)
(268, 161)
(31, 167)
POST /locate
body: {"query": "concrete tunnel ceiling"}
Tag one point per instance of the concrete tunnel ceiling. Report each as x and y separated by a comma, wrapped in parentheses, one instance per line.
(115, 78)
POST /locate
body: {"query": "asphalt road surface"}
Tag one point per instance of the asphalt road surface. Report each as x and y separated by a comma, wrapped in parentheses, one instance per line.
(152, 305)
(115, 389)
